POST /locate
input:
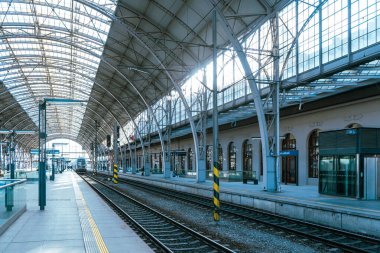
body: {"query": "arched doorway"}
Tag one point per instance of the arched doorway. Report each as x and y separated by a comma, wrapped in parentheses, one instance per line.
(190, 159)
(289, 162)
(247, 161)
(231, 156)
(313, 154)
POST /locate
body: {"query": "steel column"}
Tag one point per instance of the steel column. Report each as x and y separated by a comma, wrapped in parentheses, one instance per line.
(215, 127)
(12, 155)
(268, 160)
(134, 158)
(349, 30)
(52, 164)
(95, 169)
(115, 147)
(201, 173)
(146, 154)
(275, 177)
(125, 159)
(42, 155)
(9, 196)
(167, 157)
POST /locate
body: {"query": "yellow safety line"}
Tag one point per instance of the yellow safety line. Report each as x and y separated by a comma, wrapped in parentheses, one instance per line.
(98, 236)
(95, 231)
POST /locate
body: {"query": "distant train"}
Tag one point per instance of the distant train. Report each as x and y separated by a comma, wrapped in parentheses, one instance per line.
(81, 166)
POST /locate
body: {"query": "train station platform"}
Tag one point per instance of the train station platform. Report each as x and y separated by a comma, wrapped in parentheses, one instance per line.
(299, 202)
(75, 219)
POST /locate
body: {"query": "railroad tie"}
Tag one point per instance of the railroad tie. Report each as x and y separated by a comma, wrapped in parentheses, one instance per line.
(216, 192)
(115, 174)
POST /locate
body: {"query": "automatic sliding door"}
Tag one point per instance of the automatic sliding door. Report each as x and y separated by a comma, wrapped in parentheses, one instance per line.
(346, 176)
(327, 175)
(338, 175)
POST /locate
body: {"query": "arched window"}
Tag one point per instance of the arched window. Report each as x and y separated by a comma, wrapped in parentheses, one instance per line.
(247, 156)
(231, 156)
(179, 162)
(313, 154)
(209, 157)
(190, 159)
(152, 156)
(353, 125)
(289, 143)
(140, 161)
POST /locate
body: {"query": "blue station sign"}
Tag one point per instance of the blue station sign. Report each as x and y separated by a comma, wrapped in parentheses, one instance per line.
(34, 151)
(52, 151)
(289, 152)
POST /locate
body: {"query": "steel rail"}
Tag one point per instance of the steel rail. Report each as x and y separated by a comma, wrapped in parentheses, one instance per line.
(345, 240)
(165, 242)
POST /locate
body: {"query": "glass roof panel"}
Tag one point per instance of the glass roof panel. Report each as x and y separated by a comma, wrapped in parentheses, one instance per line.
(52, 49)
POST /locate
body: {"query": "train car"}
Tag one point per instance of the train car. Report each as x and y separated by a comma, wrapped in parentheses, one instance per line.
(81, 167)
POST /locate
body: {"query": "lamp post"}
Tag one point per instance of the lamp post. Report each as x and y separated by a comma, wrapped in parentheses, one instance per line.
(52, 164)
(42, 141)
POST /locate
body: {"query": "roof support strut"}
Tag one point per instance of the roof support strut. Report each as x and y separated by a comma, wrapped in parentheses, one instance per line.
(269, 178)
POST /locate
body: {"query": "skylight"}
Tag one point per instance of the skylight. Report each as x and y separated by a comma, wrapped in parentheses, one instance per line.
(52, 49)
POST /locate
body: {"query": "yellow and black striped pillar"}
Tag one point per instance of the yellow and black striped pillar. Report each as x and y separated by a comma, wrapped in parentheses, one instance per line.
(216, 192)
(115, 174)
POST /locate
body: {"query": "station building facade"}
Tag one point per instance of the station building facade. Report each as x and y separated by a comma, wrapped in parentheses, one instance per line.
(240, 147)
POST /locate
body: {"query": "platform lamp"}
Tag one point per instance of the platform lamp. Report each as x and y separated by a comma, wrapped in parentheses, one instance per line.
(42, 141)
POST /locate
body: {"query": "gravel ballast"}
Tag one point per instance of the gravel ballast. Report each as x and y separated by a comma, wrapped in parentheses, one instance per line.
(242, 236)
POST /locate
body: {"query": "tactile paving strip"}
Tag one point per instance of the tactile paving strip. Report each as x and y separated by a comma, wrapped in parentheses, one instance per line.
(93, 240)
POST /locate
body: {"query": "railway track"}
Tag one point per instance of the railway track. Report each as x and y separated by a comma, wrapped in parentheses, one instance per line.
(165, 233)
(347, 241)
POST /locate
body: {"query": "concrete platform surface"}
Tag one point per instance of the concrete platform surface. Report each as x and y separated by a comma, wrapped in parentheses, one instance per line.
(307, 194)
(75, 219)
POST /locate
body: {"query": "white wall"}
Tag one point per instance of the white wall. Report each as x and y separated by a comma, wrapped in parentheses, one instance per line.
(365, 113)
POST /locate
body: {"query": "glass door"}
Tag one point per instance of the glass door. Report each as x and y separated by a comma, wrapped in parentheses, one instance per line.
(327, 175)
(346, 176)
(247, 161)
(289, 163)
(338, 175)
